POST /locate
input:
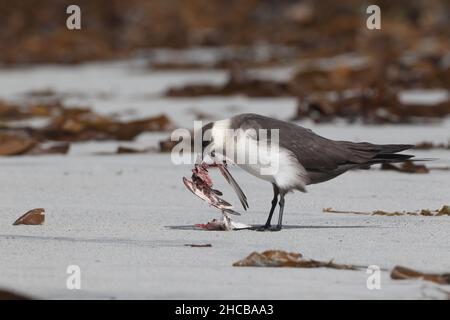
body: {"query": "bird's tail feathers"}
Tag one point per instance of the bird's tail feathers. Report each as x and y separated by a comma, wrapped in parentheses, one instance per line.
(393, 148)
(395, 158)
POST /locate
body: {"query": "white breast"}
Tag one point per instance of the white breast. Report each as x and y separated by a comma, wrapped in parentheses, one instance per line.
(264, 160)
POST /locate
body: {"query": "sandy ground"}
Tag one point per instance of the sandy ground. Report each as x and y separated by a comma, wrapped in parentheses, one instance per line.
(125, 220)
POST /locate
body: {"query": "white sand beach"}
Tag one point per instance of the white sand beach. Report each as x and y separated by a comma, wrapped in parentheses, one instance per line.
(125, 219)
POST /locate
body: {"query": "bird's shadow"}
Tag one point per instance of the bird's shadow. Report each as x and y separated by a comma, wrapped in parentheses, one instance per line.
(285, 227)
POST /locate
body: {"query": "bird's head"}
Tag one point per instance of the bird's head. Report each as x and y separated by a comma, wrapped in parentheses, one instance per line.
(207, 140)
(213, 140)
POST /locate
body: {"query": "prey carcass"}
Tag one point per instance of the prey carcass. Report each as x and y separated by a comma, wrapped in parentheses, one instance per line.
(201, 185)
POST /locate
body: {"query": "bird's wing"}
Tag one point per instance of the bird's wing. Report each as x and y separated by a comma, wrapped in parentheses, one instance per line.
(317, 153)
(314, 152)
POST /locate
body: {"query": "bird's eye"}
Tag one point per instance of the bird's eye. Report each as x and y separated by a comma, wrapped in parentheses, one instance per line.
(205, 145)
(208, 148)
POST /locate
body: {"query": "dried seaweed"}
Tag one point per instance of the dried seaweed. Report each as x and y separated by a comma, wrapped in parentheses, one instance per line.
(68, 125)
(279, 258)
(32, 217)
(181, 24)
(402, 273)
(12, 112)
(406, 167)
(330, 210)
(238, 84)
(15, 144)
(411, 167)
(10, 295)
(427, 145)
(445, 210)
(86, 125)
(9, 111)
(168, 144)
(129, 150)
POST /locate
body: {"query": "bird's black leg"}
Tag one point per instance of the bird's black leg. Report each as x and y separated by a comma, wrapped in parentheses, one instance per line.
(276, 192)
(280, 216)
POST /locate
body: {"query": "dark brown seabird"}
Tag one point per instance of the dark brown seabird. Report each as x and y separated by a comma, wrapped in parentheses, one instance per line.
(299, 158)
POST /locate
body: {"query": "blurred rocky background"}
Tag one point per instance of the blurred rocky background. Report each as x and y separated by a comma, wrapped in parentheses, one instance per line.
(34, 31)
(320, 54)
